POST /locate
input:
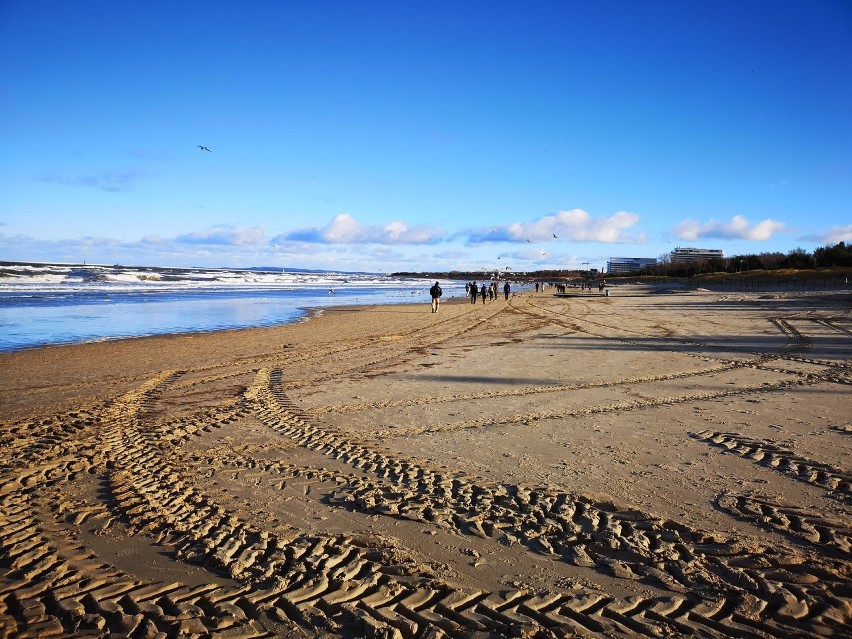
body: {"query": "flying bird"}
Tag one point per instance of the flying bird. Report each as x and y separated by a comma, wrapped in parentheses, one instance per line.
(554, 235)
(528, 239)
(204, 148)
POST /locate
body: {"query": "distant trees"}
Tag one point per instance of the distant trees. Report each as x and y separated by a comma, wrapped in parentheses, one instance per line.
(837, 255)
(755, 262)
(770, 261)
(798, 258)
(714, 265)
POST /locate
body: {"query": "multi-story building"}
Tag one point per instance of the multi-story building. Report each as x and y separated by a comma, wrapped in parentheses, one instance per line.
(624, 265)
(696, 254)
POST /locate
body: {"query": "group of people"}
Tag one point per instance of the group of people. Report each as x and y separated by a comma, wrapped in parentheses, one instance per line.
(473, 291)
(588, 286)
(487, 290)
(584, 286)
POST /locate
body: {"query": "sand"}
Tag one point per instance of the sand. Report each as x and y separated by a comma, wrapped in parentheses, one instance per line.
(646, 464)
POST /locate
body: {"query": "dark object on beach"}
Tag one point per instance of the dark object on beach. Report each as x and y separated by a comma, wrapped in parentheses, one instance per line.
(436, 293)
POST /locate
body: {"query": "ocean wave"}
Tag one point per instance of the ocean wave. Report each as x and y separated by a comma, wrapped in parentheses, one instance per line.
(19, 278)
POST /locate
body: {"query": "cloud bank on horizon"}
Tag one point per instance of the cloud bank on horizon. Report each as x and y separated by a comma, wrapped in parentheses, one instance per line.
(735, 228)
(344, 229)
(344, 243)
(575, 225)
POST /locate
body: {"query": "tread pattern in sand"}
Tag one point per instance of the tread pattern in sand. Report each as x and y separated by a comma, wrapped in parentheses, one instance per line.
(837, 481)
(627, 544)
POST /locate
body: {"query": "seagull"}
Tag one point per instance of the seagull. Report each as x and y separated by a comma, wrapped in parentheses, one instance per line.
(528, 239)
(554, 235)
(204, 148)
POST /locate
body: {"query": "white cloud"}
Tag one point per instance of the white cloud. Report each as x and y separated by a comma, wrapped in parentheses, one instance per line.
(224, 234)
(832, 235)
(575, 225)
(737, 228)
(345, 229)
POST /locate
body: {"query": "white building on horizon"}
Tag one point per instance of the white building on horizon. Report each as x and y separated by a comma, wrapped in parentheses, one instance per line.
(625, 265)
(696, 254)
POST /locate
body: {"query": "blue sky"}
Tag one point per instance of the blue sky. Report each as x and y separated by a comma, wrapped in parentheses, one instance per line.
(385, 136)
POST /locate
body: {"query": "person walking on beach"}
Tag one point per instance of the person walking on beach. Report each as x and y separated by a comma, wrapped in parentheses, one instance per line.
(506, 289)
(436, 293)
(483, 292)
(473, 292)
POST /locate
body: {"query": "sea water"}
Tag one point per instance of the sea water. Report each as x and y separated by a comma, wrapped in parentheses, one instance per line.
(43, 304)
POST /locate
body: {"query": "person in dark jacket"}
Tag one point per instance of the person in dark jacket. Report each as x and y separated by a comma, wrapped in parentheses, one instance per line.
(436, 293)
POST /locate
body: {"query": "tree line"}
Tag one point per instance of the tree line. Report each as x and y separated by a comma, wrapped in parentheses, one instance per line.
(839, 255)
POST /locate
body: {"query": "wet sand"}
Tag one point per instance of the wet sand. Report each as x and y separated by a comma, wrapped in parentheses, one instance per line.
(644, 464)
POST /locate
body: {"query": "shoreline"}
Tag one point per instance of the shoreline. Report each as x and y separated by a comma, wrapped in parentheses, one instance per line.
(542, 465)
(72, 307)
(307, 314)
(94, 326)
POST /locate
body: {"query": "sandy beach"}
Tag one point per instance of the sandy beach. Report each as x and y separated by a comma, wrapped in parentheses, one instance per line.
(652, 463)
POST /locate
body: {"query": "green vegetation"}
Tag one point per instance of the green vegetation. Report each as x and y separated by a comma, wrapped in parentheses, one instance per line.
(839, 255)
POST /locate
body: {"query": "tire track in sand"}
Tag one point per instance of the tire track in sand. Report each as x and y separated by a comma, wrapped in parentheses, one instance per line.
(626, 543)
(835, 480)
(806, 527)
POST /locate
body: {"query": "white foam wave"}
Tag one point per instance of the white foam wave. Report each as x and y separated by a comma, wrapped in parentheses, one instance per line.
(69, 279)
